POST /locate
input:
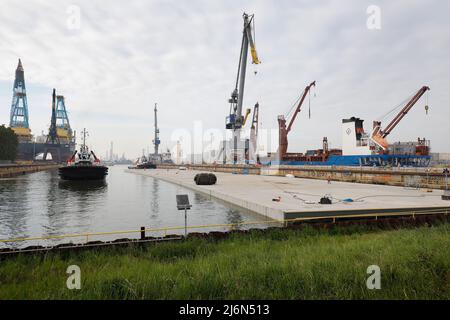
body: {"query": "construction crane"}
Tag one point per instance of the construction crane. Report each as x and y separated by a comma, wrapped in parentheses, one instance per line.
(52, 136)
(282, 130)
(254, 134)
(19, 106)
(379, 135)
(236, 120)
(63, 129)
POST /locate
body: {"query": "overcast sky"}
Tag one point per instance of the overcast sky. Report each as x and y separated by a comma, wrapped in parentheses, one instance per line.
(127, 55)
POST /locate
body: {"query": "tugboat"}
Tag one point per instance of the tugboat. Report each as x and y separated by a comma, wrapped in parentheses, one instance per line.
(143, 163)
(83, 165)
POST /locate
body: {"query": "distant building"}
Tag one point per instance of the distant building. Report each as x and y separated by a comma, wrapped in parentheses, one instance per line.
(440, 158)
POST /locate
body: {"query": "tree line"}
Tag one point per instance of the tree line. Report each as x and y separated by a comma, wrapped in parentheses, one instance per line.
(8, 144)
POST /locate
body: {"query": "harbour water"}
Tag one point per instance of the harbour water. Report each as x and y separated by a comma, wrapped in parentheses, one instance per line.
(41, 205)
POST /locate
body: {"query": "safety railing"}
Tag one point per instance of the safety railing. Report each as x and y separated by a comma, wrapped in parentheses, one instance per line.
(143, 230)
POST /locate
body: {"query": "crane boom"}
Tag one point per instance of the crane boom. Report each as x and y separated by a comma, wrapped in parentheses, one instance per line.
(404, 111)
(379, 135)
(246, 116)
(254, 135)
(251, 42)
(299, 106)
(282, 130)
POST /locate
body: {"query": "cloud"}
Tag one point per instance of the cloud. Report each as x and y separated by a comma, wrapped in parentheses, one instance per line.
(184, 55)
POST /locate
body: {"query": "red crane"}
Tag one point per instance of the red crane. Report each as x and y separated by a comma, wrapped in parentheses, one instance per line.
(283, 131)
(379, 135)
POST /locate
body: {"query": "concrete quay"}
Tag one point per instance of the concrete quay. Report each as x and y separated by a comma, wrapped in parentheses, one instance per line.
(11, 170)
(297, 197)
(431, 178)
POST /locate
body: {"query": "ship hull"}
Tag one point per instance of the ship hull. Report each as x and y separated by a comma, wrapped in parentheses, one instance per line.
(390, 160)
(27, 151)
(83, 172)
(147, 165)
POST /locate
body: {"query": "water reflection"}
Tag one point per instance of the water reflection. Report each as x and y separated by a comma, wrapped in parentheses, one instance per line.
(154, 204)
(70, 204)
(41, 204)
(13, 219)
(83, 188)
(234, 216)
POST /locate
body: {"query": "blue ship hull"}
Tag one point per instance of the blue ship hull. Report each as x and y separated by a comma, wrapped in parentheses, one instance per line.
(379, 160)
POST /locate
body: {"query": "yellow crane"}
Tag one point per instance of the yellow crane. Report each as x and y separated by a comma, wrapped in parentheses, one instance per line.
(236, 120)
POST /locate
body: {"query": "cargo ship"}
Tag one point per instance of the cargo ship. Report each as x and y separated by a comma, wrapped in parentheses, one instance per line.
(359, 149)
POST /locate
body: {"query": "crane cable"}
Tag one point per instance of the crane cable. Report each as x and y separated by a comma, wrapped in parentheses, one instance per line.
(294, 105)
(314, 88)
(309, 104)
(397, 107)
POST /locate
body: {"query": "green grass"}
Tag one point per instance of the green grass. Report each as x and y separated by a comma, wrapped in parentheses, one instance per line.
(280, 264)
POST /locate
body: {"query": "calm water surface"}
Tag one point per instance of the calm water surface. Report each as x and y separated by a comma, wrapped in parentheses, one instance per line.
(40, 204)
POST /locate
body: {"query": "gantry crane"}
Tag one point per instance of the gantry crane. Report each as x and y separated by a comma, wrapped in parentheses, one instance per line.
(19, 107)
(282, 130)
(379, 135)
(63, 129)
(236, 120)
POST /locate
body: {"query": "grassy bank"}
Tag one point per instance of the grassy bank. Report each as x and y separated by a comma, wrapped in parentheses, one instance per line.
(281, 264)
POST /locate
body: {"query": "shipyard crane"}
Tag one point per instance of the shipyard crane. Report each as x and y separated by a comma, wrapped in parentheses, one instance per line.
(254, 134)
(52, 136)
(236, 120)
(282, 130)
(379, 135)
(19, 107)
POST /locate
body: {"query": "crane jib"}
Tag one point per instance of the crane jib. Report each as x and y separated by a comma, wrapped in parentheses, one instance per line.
(404, 111)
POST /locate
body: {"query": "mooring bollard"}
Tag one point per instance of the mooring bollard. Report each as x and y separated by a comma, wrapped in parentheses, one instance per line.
(142, 233)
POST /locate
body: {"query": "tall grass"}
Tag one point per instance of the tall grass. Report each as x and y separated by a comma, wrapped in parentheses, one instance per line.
(280, 264)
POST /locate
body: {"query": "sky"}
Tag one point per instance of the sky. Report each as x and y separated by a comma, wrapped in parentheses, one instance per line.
(112, 60)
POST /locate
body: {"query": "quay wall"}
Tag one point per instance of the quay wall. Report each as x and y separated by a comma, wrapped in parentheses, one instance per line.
(11, 170)
(431, 178)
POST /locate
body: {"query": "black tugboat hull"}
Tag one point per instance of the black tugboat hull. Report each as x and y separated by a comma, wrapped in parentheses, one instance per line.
(144, 166)
(148, 165)
(83, 173)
